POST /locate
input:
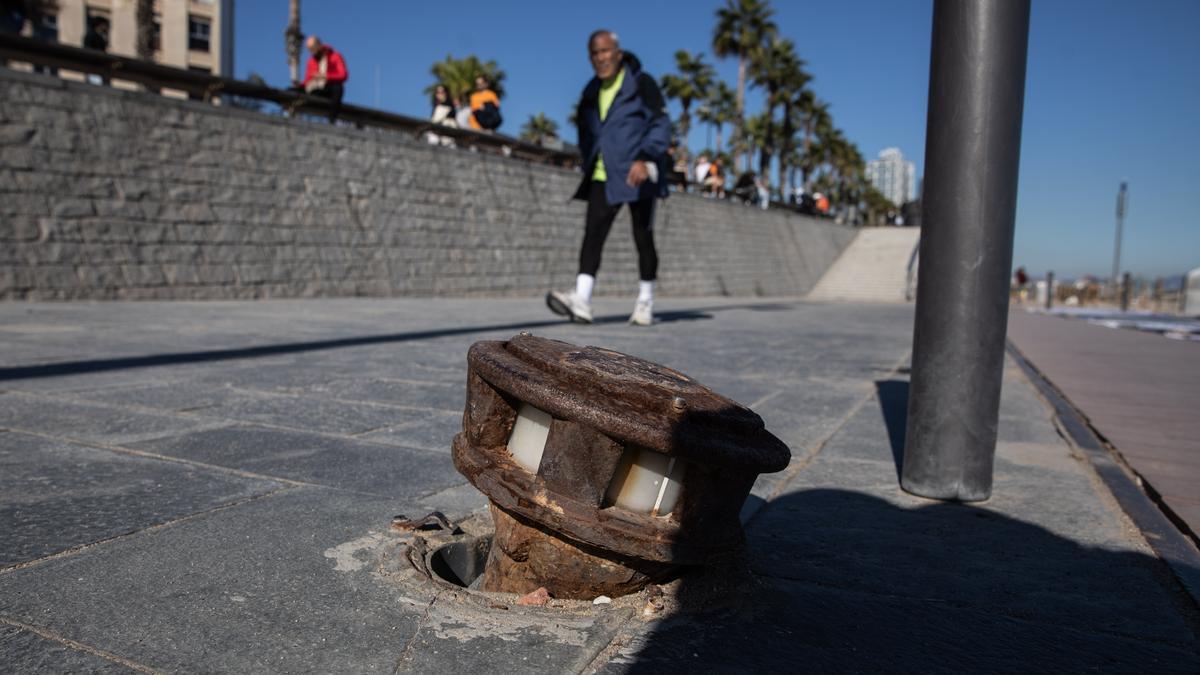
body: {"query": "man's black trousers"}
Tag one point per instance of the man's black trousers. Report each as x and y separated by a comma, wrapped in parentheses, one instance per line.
(600, 217)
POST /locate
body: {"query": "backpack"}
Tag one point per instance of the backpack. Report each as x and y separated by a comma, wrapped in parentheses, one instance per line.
(488, 116)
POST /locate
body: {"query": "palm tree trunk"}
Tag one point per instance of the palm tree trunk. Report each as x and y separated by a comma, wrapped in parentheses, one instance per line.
(741, 104)
(292, 38)
(785, 144)
(807, 148)
(764, 156)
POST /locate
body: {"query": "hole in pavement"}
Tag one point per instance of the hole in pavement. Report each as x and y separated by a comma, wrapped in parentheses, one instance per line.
(461, 563)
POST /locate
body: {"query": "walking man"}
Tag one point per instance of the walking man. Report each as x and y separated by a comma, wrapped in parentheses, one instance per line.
(624, 132)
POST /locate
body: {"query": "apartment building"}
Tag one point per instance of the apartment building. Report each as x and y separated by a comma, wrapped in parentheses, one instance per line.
(189, 34)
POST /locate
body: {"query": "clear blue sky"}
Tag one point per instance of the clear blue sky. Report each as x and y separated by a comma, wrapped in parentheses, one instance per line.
(1112, 94)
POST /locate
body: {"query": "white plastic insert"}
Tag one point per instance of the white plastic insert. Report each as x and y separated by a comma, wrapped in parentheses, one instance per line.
(528, 439)
(647, 482)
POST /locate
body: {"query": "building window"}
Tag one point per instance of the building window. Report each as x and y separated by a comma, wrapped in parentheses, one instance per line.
(199, 31)
(45, 28)
(156, 35)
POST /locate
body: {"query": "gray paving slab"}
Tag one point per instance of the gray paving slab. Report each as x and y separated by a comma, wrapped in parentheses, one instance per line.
(85, 421)
(174, 396)
(849, 573)
(431, 430)
(252, 589)
(318, 459)
(809, 628)
(58, 495)
(312, 413)
(25, 652)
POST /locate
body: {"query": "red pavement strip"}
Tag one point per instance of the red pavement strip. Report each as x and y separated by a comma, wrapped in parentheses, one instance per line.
(1140, 391)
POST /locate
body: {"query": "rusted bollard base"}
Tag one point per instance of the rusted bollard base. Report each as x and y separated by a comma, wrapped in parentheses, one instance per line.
(525, 557)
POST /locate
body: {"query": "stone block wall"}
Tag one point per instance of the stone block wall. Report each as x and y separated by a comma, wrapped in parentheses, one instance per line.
(108, 194)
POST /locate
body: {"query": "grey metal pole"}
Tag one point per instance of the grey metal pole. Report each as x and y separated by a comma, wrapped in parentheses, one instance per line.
(1126, 282)
(1121, 197)
(972, 152)
(1183, 291)
(1049, 290)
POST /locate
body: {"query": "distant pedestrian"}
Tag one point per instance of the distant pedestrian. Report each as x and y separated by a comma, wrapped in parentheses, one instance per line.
(701, 172)
(714, 180)
(1020, 285)
(485, 106)
(443, 113)
(463, 114)
(624, 132)
(325, 75)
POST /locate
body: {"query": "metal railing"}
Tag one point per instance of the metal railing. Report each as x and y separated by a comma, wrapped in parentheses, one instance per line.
(209, 87)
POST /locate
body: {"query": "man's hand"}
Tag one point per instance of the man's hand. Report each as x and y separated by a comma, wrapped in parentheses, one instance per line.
(637, 174)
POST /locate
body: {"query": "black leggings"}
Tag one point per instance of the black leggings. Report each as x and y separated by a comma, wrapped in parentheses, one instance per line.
(600, 217)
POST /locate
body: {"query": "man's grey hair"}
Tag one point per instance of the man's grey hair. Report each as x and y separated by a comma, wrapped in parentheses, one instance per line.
(603, 31)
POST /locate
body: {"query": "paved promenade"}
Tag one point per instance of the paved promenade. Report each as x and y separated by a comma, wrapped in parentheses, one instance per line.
(1141, 391)
(208, 487)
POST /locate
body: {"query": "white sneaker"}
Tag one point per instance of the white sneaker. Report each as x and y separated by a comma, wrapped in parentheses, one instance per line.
(643, 314)
(569, 305)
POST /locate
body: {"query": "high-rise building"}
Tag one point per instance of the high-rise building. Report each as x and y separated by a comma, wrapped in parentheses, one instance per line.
(894, 177)
(189, 34)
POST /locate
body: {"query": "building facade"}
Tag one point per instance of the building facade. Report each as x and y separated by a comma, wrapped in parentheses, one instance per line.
(189, 34)
(894, 177)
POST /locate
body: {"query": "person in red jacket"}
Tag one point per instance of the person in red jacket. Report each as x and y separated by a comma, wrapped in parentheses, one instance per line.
(325, 75)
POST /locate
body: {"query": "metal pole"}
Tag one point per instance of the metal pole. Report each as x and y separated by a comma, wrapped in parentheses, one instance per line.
(1121, 197)
(1049, 290)
(1183, 291)
(1126, 282)
(972, 150)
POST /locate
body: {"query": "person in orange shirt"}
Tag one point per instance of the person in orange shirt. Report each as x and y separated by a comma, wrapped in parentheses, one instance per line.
(482, 95)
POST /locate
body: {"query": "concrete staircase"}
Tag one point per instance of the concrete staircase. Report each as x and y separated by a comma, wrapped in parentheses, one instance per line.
(873, 268)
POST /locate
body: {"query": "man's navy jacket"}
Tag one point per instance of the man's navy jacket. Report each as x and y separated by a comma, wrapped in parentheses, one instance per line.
(636, 128)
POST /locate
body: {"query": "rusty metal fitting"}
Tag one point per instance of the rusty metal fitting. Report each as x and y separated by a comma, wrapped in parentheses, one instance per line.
(605, 471)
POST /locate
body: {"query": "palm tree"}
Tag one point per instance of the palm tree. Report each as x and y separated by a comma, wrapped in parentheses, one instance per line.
(719, 108)
(292, 37)
(458, 76)
(693, 82)
(877, 205)
(144, 19)
(742, 27)
(775, 68)
(753, 135)
(539, 128)
(816, 123)
(793, 87)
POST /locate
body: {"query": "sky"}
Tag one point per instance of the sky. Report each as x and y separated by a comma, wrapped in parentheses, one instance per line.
(1112, 93)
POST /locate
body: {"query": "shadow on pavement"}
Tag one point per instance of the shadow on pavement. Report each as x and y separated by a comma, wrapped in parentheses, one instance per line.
(176, 358)
(842, 581)
(893, 403)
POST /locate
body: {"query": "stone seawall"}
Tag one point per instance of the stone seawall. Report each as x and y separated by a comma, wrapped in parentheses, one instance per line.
(107, 194)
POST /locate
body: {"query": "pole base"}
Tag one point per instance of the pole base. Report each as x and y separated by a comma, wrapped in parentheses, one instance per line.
(952, 492)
